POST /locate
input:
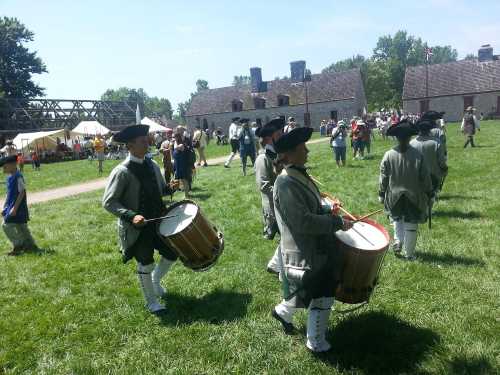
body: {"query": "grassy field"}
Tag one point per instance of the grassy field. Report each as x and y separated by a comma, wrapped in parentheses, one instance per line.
(77, 310)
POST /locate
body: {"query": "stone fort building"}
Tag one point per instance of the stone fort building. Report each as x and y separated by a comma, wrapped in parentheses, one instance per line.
(329, 96)
(454, 86)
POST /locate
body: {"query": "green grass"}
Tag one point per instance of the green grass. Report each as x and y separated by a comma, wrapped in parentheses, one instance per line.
(78, 310)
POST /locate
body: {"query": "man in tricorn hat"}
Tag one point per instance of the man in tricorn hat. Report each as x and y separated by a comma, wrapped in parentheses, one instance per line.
(305, 227)
(405, 188)
(469, 125)
(437, 130)
(265, 174)
(134, 194)
(432, 151)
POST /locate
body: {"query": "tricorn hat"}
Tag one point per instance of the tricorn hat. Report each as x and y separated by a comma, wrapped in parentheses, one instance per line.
(470, 109)
(432, 115)
(131, 132)
(8, 159)
(404, 128)
(244, 120)
(425, 124)
(292, 139)
(234, 119)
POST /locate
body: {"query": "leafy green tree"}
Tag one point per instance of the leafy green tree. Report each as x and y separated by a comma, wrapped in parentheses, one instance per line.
(201, 85)
(149, 106)
(239, 81)
(470, 56)
(358, 61)
(17, 63)
(182, 107)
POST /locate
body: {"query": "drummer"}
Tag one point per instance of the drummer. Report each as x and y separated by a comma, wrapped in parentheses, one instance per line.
(265, 175)
(405, 188)
(307, 277)
(134, 194)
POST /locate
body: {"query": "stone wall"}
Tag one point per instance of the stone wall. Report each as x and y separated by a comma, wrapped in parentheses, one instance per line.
(454, 105)
(318, 111)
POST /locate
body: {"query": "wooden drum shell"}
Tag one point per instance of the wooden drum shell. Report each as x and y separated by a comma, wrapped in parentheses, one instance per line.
(359, 269)
(199, 244)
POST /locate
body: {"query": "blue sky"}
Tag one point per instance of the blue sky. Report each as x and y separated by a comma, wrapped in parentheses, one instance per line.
(165, 46)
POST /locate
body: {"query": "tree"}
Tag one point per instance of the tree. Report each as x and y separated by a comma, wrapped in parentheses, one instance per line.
(149, 106)
(239, 81)
(201, 85)
(358, 61)
(182, 107)
(470, 56)
(17, 63)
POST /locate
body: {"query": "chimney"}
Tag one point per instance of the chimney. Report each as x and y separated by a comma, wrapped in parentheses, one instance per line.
(256, 79)
(297, 70)
(485, 53)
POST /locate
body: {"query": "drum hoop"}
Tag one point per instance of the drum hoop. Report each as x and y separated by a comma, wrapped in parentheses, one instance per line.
(380, 227)
(176, 204)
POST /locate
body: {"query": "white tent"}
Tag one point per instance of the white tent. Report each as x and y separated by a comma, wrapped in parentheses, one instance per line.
(40, 140)
(153, 126)
(90, 128)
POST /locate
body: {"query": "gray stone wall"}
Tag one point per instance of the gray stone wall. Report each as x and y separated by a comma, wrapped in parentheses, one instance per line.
(318, 111)
(454, 105)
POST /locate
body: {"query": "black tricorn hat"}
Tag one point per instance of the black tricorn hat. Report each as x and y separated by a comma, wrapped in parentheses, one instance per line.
(266, 131)
(292, 139)
(432, 115)
(8, 159)
(234, 119)
(277, 122)
(244, 120)
(425, 124)
(131, 132)
(404, 128)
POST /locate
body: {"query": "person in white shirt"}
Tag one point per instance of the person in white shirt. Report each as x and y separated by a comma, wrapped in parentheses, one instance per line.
(290, 126)
(200, 143)
(234, 140)
(9, 149)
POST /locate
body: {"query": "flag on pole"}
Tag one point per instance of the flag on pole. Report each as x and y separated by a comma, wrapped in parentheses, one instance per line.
(428, 53)
(137, 115)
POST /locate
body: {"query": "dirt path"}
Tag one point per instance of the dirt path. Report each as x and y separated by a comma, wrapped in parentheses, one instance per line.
(68, 191)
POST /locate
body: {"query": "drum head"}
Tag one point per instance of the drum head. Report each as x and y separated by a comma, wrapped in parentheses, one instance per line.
(182, 215)
(364, 236)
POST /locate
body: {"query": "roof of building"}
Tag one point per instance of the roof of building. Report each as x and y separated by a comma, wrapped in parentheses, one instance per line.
(323, 87)
(454, 78)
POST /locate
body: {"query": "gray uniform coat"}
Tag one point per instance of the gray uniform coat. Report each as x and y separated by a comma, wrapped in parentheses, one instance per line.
(434, 157)
(306, 232)
(121, 198)
(405, 174)
(265, 177)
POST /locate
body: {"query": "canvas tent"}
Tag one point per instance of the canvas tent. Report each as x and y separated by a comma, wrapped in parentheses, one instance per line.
(38, 140)
(153, 126)
(89, 128)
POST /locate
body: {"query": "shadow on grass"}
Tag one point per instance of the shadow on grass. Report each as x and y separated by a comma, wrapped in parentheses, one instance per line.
(448, 259)
(215, 308)
(457, 214)
(377, 343)
(200, 196)
(465, 366)
(447, 197)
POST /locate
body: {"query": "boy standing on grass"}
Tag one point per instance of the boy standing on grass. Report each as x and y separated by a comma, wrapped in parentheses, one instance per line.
(15, 211)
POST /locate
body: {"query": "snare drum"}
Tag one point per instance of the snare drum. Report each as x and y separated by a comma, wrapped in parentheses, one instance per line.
(197, 242)
(363, 248)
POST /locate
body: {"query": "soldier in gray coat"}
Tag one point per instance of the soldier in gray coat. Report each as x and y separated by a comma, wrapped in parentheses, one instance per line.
(307, 245)
(405, 188)
(266, 169)
(134, 194)
(432, 151)
(265, 175)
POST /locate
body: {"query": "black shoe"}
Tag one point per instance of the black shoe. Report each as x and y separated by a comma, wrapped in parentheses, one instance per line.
(226, 166)
(288, 328)
(272, 272)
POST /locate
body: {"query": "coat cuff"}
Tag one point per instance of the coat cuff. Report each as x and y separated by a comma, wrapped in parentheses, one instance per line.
(338, 222)
(129, 215)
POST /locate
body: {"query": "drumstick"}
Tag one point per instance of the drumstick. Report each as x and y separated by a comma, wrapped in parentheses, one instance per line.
(316, 180)
(160, 218)
(354, 229)
(347, 213)
(368, 215)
